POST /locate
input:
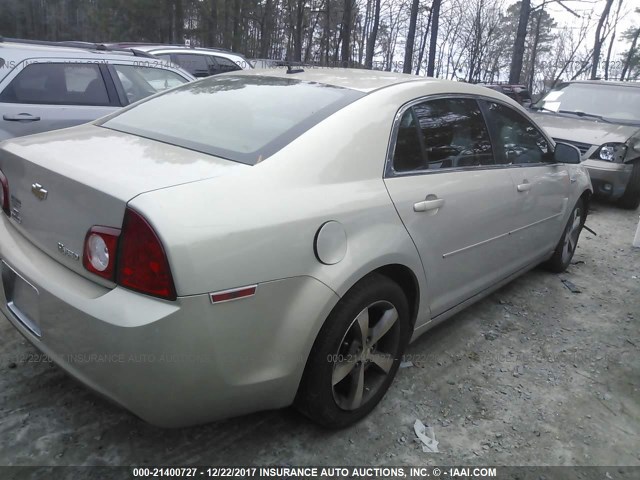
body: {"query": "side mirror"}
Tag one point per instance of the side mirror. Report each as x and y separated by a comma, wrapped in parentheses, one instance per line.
(565, 153)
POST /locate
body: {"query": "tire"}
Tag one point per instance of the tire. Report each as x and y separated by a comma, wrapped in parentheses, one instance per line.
(329, 393)
(566, 247)
(631, 197)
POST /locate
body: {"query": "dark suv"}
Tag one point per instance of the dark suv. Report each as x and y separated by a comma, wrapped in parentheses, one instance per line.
(519, 93)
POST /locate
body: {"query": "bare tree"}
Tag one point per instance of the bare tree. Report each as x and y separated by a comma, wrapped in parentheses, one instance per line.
(435, 21)
(597, 46)
(411, 37)
(373, 36)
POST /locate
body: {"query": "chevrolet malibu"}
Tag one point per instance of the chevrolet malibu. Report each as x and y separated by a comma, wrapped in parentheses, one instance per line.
(266, 238)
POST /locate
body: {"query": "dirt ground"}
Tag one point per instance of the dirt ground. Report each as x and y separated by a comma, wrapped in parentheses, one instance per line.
(532, 375)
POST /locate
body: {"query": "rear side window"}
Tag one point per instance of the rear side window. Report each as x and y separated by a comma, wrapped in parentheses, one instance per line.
(452, 134)
(240, 118)
(57, 84)
(225, 65)
(518, 140)
(140, 82)
(408, 154)
(196, 65)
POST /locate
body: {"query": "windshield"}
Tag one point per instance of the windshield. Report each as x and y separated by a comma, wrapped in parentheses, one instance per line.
(611, 102)
(240, 118)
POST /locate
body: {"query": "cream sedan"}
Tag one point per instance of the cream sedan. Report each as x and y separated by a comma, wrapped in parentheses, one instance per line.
(264, 238)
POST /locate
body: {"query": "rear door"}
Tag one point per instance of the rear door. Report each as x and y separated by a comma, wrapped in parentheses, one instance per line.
(542, 185)
(44, 95)
(456, 202)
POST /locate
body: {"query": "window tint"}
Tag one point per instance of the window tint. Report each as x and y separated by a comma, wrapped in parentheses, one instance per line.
(140, 82)
(57, 84)
(225, 65)
(408, 152)
(239, 118)
(518, 141)
(196, 65)
(453, 133)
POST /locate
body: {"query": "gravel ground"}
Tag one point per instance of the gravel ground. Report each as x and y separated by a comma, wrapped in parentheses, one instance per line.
(532, 375)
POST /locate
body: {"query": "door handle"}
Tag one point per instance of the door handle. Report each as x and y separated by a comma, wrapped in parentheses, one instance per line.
(524, 187)
(21, 117)
(427, 205)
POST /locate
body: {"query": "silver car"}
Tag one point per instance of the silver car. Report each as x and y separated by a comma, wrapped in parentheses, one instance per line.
(200, 62)
(263, 238)
(47, 85)
(602, 119)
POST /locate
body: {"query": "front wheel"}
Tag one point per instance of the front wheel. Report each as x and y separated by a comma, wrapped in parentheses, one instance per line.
(357, 353)
(566, 247)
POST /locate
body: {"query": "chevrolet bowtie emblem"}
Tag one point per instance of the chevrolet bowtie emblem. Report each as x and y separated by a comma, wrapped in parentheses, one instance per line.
(38, 191)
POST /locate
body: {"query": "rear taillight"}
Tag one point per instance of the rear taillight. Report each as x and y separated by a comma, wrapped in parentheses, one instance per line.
(142, 264)
(100, 248)
(4, 194)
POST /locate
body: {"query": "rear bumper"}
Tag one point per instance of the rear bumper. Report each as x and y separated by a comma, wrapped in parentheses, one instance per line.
(608, 179)
(171, 363)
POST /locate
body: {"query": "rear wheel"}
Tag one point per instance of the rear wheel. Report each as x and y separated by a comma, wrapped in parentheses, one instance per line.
(356, 354)
(631, 197)
(569, 241)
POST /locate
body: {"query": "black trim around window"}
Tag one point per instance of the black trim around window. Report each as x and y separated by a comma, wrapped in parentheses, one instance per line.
(481, 100)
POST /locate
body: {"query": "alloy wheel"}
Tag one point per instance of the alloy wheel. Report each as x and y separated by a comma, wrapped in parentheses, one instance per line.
(571, 235)
(366, 355)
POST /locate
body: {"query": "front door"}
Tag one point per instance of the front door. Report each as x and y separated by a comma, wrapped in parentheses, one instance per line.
(456, 202)
(542, 185)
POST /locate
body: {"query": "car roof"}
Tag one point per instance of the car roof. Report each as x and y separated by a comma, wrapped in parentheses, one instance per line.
(29, 50)
(150, 48)
(366, 80)
(607, 82)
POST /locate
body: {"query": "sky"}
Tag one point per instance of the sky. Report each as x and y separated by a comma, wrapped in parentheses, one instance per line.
(595, 7)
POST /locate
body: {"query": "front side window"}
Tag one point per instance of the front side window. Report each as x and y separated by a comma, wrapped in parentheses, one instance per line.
(57, 84)
(140, 82)
(450, 132)
(240, 118)
(518, 140)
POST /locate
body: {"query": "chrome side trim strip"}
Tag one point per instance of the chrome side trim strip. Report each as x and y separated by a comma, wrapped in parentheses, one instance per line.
(460, 250)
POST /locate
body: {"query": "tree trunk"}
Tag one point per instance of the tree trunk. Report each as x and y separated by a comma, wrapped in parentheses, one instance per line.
(518, 47)
(534, 50)
(212, 23)
(597, 46)
(632, 51)
(178, 26)
(371, 41)
(612, 41)
(423, 44)
(266, 28)
(411, 37)
(435, 21)
(345, 34)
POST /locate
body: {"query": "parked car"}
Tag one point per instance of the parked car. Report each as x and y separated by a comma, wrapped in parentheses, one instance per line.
(519, 93)
(263, 238)
(602, 119)
(199, 62)
(48, 85)
(268, 63)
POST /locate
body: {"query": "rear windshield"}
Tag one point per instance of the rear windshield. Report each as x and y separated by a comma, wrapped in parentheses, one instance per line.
(241, 118)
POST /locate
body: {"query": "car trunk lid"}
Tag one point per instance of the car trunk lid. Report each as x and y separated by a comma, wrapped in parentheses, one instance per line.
(63, 183)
